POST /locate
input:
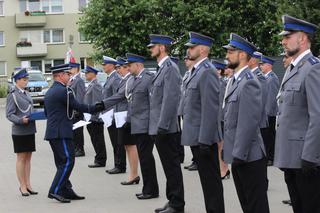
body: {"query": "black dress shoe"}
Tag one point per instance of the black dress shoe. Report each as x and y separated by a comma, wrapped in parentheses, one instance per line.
(139, 194)
(116, 171)
(96, 165)
(193, 167)
(24, 194)
(147, 196)
(171, 210)
(187, 167)
(75, 197)
(134, 181)
(226, 176)
(32, 192)
(162, 208)
(59, 198)
(80, 153)
(287, 202)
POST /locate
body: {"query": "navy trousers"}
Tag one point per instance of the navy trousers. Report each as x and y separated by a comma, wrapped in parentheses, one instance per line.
(64, 157)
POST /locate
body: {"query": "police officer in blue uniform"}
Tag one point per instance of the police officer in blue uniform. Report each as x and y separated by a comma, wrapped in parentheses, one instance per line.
(163, 121)
(297, 147)
(243, 145)
(200, 113)
(271, 106)
(59, 105)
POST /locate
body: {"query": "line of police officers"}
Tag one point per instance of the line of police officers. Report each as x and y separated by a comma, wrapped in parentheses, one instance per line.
(153, 102)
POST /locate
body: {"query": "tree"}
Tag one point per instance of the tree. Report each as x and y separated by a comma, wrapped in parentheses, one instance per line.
(119, 26)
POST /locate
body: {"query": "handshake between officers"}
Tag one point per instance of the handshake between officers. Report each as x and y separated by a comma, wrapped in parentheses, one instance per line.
(60, 104)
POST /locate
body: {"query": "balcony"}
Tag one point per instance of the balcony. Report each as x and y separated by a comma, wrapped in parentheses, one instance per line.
(23, 20)
(36, 50)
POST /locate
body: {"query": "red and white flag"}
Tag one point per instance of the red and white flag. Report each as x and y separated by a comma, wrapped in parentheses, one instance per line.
(69, 57)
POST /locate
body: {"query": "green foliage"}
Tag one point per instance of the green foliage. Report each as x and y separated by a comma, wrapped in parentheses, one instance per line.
(119, 26)
(3, 91)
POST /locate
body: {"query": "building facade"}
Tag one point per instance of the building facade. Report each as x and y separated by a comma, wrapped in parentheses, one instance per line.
(38, 33)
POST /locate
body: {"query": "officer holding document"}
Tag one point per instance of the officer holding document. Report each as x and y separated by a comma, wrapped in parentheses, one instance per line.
(60, 104)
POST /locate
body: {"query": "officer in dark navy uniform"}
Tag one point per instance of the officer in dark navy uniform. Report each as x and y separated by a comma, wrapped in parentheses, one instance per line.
(59, 105)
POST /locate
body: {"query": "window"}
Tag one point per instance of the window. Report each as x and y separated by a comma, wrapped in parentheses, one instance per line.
(33, 36)
(23, 5)
(1, 8)
(82, 63)
(50, 6)
(83, 4)
(53, 36)
(50, 63)
(56, 6)
(1, 38)
(57, 36)
(57, 62)
(83, 38)
(37, 64)
(34, 5)
(47, 66)
(3, 68)
(46, 36)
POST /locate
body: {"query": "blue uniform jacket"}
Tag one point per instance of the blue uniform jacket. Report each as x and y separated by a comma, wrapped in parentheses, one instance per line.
(55, 105)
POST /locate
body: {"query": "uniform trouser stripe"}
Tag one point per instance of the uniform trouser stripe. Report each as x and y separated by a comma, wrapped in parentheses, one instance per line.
(65, 168)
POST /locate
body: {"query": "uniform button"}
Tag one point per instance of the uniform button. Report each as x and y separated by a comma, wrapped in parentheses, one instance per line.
(277, 125)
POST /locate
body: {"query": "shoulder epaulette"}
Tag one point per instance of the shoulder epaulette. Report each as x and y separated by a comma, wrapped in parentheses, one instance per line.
(249, 75)
(208, 65)
(314, 60)
(12, 89)
(148, 73)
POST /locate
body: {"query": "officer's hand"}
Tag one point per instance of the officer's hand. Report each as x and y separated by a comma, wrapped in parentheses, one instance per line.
(25, 120)
(308, 167)
(162, 131)
(99, 107)
(238, 162)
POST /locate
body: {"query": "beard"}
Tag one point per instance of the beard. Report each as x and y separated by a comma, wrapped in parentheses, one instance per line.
(194, 57)
(293, 52)
(233, 65)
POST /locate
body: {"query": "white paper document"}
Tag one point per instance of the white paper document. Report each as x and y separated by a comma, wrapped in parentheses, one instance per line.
(107, 118)
(120, 118)
(80, 124)
(87, 116)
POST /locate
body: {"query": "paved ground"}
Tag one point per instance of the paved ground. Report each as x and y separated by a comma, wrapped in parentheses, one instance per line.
(103, 192)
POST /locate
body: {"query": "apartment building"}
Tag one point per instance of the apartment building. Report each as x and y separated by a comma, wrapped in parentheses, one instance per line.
(38, 33)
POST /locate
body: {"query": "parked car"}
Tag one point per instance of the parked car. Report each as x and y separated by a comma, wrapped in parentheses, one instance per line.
(37, 86)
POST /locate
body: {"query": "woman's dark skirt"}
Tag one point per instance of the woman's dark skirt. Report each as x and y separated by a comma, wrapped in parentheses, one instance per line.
(24, 143)
(124, 136)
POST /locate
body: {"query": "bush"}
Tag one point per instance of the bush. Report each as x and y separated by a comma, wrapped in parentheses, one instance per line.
(3, 91)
